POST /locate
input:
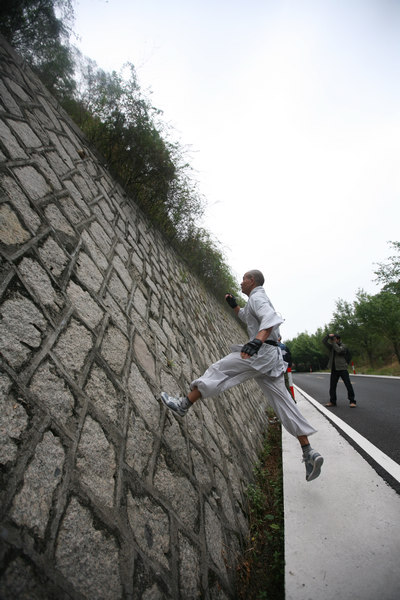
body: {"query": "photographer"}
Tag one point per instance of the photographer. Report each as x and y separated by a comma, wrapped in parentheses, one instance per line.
(338, 365)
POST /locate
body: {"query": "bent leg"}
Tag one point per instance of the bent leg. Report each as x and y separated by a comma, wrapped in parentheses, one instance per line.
(285, 409)
(222, 375)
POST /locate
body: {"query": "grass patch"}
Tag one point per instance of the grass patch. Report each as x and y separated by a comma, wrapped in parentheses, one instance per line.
(261, 572)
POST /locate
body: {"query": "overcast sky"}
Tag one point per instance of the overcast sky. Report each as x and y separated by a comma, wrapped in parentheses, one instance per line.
(291, 109)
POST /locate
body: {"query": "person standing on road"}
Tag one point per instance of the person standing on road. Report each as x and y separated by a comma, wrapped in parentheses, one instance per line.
(260, 359)
(338, 365)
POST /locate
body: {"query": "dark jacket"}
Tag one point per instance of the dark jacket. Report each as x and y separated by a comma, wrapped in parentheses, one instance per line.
(337, 350)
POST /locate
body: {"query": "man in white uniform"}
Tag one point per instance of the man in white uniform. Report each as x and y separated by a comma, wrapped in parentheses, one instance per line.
(260, 359)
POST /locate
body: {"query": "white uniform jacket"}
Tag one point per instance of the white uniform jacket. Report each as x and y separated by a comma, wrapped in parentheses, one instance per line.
(258, 314)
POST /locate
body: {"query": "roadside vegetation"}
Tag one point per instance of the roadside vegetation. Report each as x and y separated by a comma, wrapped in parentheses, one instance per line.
(128, 132)
(369, 326)
(261, 569)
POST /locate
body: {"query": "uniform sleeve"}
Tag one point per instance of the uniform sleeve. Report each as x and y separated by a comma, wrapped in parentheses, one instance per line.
(263, 312)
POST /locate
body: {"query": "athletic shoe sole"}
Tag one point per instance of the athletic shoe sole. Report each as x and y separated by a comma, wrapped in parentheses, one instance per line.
(316, 468)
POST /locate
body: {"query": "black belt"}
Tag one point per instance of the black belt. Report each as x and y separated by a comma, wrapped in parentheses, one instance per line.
(271, 343)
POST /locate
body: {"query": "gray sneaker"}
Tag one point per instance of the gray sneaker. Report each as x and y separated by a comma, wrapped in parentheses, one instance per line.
(179, 406)
(313, 462)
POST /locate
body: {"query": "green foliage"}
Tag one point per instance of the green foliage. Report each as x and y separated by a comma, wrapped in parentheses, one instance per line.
(42, 38)
(369, 326)
(389, 273)
(308, 352)
(124, 127)
(261, 570)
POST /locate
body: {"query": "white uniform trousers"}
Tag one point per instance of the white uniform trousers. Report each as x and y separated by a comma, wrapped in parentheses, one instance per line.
(232, 370)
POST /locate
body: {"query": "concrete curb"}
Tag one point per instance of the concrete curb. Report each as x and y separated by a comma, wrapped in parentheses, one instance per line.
(342, 531)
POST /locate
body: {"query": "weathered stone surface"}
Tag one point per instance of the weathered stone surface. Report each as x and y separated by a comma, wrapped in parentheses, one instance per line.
(180, 493)
(20, 581)
(88, 273)
(20, 329)
(144, 356)
(11, 230)
(39, 281)
(142, 398)
(52, 392)
(130, 501)
(13, 147)
(189, 568)
(33, 182)
(73, 346)
(96, 461)
(87, 556)
(20, 202)
(214, 537)
(24, 133)
(13, 421)
(114, 348)
(57, 220)
(32, 504)
(139, 444)
(53, 256)
(151, 527)
(104, 395)
(86, 308)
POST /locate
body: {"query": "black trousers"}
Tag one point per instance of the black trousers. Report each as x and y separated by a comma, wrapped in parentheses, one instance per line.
(335, 376)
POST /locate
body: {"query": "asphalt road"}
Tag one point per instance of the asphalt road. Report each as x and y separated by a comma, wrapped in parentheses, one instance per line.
(377, 416)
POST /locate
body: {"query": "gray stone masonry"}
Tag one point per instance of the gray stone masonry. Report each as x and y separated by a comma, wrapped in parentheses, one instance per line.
(104, 494)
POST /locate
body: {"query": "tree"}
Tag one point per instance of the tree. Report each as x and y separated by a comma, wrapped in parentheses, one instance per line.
(34, 30)
(307, 351)
(389, 273)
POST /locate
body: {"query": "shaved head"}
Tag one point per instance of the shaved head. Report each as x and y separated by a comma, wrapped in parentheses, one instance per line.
(257, 276)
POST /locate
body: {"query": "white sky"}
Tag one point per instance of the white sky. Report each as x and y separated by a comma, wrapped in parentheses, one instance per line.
(291, 109)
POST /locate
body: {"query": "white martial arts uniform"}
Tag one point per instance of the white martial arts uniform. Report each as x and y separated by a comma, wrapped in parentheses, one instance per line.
(267, 367)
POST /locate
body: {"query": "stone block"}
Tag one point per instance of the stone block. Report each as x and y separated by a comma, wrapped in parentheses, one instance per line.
(9, 101)
(87, 556)
(25, 133)
(21, 327)
(13, 147)
(144, 357)
(104, 396)
(85, 306)
(20, 202)
(114, 348)
(32, 504)
(20, 581)
(11, 230)
(39, 282)
(142, 398)
(189, 569)
(95, 461)
(52, 392)
(118, 290)
(139, 444)
(32, 182)
(53, 256)
(13, 421)
(70, 209)
(180, 493)
(88, 273)
(150, 526)
(95, 253)
(215, 541)
(73, 347)
(57, 220)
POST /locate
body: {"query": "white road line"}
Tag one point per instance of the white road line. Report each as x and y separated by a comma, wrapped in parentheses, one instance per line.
(378, 456)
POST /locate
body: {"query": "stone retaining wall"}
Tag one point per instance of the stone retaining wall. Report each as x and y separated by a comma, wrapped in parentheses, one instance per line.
(103, 494)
